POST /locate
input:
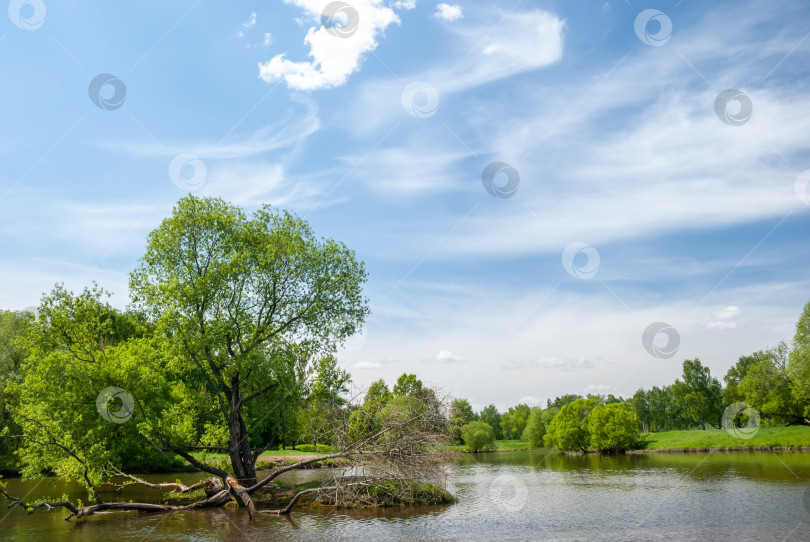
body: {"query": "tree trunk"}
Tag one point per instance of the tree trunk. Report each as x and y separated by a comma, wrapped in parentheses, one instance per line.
(244, 468)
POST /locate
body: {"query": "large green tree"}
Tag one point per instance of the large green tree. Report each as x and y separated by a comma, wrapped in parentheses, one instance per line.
(535, 428)
(513, 422)
(768, 388)
(243, 302)
(492, 417)
(703, 399)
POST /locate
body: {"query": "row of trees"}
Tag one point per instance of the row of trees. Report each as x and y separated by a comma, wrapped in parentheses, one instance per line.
(570, 422)
(775, 382)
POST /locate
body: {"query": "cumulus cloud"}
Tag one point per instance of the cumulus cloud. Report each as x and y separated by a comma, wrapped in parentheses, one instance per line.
(449, 12)
(445, 356)
(530, 400)
(403, 4)
(725, 318)
(332, 58)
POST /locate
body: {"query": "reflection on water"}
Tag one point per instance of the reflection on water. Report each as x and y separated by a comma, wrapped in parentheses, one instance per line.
(506, 496)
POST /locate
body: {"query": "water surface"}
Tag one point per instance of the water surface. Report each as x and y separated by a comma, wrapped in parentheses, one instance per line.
(503, 496)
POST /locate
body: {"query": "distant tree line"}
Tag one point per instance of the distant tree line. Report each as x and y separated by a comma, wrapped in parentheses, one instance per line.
(774, 382)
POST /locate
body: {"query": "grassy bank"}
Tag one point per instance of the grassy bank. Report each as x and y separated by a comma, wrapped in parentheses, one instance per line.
(500, 446)
(720, 438)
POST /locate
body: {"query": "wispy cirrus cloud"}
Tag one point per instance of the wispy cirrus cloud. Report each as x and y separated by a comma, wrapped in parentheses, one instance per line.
(288, 132)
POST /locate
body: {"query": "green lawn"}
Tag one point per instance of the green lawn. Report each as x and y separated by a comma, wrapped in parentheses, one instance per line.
(499, 445)
(720, 438)
(289, 453)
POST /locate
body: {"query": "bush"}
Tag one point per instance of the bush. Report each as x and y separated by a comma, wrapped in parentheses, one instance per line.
(614, 428)
(568, 430)
(478, 436)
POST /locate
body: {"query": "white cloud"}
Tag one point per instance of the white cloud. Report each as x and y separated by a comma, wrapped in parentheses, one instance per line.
(333, 58)
(286, 133)
(268, 39)
(445, 356)
(725, 318)
(448, 12)
(403, 4)
(530, 400)
(251, 22)
(521, 42)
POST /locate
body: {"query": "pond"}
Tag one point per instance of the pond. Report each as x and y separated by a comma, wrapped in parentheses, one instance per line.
(503, 496)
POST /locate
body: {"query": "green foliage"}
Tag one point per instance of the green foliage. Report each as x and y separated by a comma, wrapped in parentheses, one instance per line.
(246, 303)
(478, 436)
(461, 413)
(323, 409)
(13, 351)
(568, 431)
(561, 401)
(613, 427)
(229, 312)
(737, 373)
(799, 364)
(408, 384)
(535, 428)
(79, 347)
(768, 388)
(513, 422)
(492, 417)
(377, 392)
(703, 397)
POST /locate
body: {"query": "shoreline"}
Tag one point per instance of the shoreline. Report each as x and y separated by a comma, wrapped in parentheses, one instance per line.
(645, 451)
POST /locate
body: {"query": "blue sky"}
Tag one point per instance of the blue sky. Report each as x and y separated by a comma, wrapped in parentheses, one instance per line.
(640, 198)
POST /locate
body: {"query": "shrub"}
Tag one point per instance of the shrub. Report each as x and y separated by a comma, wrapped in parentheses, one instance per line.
(478, 436)
(614, 428)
